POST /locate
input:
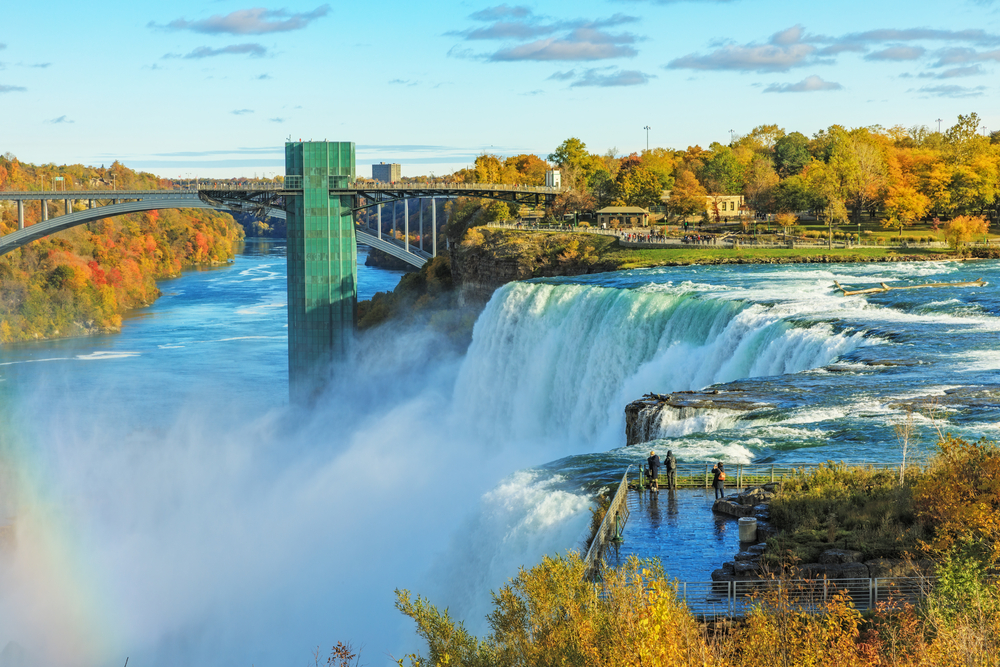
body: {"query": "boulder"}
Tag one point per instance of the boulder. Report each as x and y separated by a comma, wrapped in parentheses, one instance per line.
(747, 556)
(731, 508)
(758, 548)
(840, 556)
(746, 568)
(755, 496)
(722, 574)
(728, 567)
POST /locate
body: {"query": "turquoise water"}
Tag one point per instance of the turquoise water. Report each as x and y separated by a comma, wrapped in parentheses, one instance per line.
(172, 507)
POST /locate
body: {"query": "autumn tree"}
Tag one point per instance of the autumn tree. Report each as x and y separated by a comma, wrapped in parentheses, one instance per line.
(759, 188)
(688, 196)
(964, 228)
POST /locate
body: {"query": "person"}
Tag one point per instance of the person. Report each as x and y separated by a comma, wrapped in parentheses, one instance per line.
(670, 463)
(719, 480)
(653, 464)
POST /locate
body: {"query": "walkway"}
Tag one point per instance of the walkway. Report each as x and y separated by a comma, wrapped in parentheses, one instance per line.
(681, 530)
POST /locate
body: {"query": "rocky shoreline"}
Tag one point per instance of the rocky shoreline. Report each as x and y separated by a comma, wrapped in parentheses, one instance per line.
(643, 416)
(747, 564)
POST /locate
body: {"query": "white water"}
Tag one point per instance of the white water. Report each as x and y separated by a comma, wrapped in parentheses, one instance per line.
(232, 536)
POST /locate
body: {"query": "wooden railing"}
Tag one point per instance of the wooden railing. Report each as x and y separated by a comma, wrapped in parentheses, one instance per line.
(610, 529)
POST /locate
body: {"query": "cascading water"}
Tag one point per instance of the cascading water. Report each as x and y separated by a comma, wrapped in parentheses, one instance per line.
(175, 516)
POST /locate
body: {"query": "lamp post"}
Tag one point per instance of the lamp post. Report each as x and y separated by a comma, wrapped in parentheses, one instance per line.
(647, 128)
(939, 125)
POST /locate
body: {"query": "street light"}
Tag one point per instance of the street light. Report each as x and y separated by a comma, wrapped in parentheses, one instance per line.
(732, 137)
(647, 128)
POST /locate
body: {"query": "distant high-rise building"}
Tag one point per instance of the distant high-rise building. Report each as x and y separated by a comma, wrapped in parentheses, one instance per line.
(387, 173)
(553, 179)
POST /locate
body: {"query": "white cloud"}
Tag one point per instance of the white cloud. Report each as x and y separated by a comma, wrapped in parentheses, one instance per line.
(810, 84)
(256, 21)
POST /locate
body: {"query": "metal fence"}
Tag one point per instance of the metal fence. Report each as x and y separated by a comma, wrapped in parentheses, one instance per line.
(715, 599)
(738, 475)
(611, 529)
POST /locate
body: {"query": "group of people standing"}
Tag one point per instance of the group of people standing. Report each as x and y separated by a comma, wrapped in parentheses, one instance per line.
(670, 464)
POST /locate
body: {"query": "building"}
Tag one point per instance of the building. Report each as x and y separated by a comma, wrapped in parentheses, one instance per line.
(622, 216)
(726, 206)
(553, 178)
(387, 173)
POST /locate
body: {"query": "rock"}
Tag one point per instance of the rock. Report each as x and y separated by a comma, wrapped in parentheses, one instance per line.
(642, 417)
(771, 487)
(746, 568)
(762, 512)
(747, 556)
(728, 567)
(758, 548)
(722, 575)
(834, 571)
(755, 496)
(731, 508)
(840, 556)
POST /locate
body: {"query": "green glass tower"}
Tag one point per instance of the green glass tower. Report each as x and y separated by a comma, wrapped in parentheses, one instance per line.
(322, 261)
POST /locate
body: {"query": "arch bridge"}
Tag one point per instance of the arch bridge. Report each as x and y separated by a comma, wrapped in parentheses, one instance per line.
(321, 202)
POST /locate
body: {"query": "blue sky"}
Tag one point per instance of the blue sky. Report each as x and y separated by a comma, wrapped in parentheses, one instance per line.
(214, 88)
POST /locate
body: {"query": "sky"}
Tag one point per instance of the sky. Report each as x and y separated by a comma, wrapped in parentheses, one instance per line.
(215, 88)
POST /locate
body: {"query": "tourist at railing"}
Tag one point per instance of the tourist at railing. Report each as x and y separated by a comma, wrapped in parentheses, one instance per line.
(719, 480)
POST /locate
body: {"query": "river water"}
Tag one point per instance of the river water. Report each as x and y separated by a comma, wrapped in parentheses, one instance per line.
(170, 506)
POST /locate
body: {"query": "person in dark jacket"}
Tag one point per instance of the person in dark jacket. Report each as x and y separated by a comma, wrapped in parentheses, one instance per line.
(719, 480)
(653, 465)
(670, 463)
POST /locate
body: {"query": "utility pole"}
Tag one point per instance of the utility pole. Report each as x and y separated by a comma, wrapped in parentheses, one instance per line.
(647, 128)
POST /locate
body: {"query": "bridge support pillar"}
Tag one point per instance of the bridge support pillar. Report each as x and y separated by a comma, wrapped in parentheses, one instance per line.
(406, 224)
(421, 224)
(379, 209)
(20, 214)
(45, 210)
(322, 263)
(394, 216)
(434, 228)
(69, 206)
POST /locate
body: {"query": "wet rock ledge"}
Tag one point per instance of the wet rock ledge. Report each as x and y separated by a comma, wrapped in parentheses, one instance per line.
(644, 416)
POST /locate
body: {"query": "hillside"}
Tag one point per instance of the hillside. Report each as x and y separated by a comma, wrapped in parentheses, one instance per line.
(82, 280)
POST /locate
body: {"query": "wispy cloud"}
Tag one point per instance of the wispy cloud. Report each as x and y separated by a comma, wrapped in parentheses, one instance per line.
(256, 21)
(544, 39)
(241, 112)
(563, 76)
(59, 120)
(898, 53)
(783, 51)
(501, 12)
(277, 120)
(810, 84)
(11, 89)
(403, 82)
(955, 72)
(961, 55)
(952, 91)
(262, 77)
(254, 50)
(611, 79)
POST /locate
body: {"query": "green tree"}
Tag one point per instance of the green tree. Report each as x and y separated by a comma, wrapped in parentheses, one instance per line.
(637, 186)
(722, 173)
(791, 154)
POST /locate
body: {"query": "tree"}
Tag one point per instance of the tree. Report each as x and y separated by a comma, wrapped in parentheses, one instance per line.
(760, 185)
(722, 173)
(905, 204)
(530, 169)
(602, 187)
(795, 194)
(573, 201)
(791, 154)
(661, 162)
(959, 231)
(488, 169)
(687, 197)
(576, 163)
(859, 170)
(635, 185)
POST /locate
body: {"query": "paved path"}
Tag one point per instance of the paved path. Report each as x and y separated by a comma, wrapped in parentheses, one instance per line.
(680, 529)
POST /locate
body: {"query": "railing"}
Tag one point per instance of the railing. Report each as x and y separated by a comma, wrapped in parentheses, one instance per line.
(611, 528)
(736, 598)
(738, 475)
